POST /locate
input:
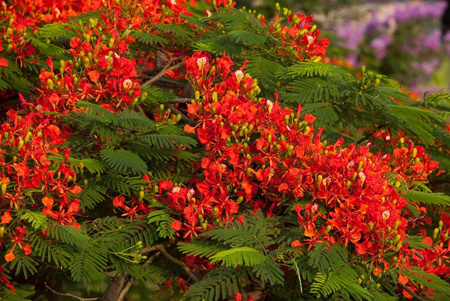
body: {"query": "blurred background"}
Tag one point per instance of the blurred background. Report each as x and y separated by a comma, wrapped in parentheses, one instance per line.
(405, 40)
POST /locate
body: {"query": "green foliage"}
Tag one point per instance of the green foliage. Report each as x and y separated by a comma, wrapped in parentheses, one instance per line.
(221, 282)
(427, 198)
(89, 263)
(339, 100)
(327, 257)
(24, 265)
(122, 160)
(418, 276)
(163, 221)
(237, 256)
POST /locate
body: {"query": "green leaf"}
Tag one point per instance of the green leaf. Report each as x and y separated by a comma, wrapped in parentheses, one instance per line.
(149, 38)
(69, 235)
(89, 263)
(56, 31)
(247, 38)
(200, 248)
(219, 283)
(163, 220)
(239, 256)
(38, 220)
(427, 198)
(124, 161)
(419, 277)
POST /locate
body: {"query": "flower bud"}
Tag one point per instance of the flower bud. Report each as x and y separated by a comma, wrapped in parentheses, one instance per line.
(398, 247)
(3, 189)
(397, 238)
(20, 145)
(435, 233)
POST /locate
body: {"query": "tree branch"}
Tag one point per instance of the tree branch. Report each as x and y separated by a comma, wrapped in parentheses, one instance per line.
(69, 295)
(176, 111)
(182, 100)
(178, 262)
(125, 289)
(411, 292)
(162, 72)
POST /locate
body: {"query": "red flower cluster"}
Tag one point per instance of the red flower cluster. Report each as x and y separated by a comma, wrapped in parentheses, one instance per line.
(22, 16)
(265, 157)
(32, 175)
(98, 73)
(301, 39)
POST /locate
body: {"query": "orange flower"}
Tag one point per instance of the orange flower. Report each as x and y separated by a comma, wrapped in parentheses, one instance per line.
(6, 217)
(296, 243)
(10, 256)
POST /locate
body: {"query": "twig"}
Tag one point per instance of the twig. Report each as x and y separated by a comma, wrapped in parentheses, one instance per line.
(181, 100)
(150, 260)
(176, 111)
(411, 292)
(178, 262)
(125, 289)
(162, 73)
(69, 295)
(297, 271)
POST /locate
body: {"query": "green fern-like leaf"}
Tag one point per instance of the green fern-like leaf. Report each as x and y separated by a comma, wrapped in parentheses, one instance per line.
(124, 161)
(307, 90)
(269, 272)
(427, 198)
(156, 96)
(92, 196)
(247, 38)
(163, 220)
(117, 183)
(23, 264)
(89, 263)
(327, 283)
(239, 256)
(179, 31)
(92, 109)
(49, 250)
(135, 121)
(327, 257)
(148, 38)
(38, 220)
(200, 248)
(311, 69)
(92, 165)
(55, 31)
(48, 49)
(325, 112)
(218, 284)
(69, 235)
(419, 277)
(417, 121)
(167, 141)
(357, 292)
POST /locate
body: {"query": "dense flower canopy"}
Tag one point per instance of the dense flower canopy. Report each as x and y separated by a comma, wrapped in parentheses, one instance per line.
(143, 126)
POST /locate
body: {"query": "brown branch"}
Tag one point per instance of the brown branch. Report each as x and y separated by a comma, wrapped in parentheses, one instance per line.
(181, 100)
(69, 295)
(162, 73)
(125, 289)
(114, 288)
(176, 111)
(411, 292)
(178, 262)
